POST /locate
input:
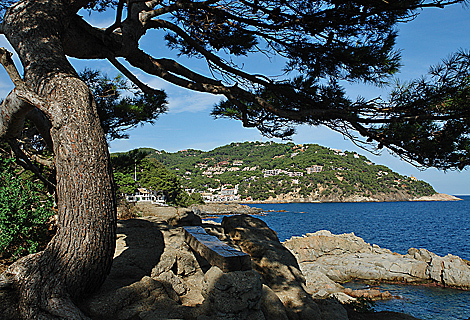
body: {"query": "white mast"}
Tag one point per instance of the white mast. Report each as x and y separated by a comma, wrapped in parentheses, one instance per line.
(135, 171)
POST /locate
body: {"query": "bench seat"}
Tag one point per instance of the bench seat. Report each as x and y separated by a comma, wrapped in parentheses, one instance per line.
(216, 252)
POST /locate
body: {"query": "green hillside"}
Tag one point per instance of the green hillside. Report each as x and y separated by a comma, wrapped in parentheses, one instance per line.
(285, 172)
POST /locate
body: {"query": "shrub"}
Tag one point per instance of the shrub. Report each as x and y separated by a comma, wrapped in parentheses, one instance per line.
(24, 213)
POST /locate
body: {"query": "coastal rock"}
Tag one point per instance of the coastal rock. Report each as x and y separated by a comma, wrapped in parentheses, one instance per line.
(168, 215)
(372, 294)
(223, 209)
(437, 197)
(331, 309)
(396, 195)
(129, 301)
(319, 285)
(180, 269)
(271, 305)
(343, 298)
(276, 265)
(232, 295)
(449, 271)
(347, 257)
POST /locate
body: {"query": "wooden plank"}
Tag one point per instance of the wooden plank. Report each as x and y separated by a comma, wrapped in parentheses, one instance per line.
(215, 251)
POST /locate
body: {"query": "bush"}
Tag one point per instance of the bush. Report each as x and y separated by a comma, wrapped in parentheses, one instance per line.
(24, 213)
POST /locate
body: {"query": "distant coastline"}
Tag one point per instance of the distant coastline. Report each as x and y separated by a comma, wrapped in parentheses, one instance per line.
(434, 197)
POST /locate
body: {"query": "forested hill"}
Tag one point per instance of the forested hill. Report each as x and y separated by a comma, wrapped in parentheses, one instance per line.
(287, 172)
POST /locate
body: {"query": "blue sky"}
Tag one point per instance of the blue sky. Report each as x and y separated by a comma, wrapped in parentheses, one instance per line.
(423, 42)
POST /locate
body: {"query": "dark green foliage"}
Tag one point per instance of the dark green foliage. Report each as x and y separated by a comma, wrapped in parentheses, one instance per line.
(101, 5)
(125, 183)
(426, 122)
(119, 113)
(151, 174)
(342, 176)
(24, 213)
(443, 144)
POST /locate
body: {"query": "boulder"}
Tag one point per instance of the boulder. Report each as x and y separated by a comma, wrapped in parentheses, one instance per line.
(232, 295)
(331, 309)
(449, 271)
(172, 216)
(185, 217)
(180, 269)
(319, 285)
(130, 301)
(271, 305)
(347, 257)
(277, 266)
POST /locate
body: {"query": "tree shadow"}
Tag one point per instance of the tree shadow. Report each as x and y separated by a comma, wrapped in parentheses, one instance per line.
(139, 246)
(277, 266)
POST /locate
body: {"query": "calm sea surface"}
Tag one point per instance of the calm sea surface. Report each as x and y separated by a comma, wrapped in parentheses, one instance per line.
(441, 227)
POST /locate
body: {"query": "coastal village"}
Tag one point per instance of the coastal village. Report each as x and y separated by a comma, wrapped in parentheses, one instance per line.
(299, 171)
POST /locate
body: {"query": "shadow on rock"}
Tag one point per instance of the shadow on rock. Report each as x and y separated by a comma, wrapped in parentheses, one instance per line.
(139, 246)
(277, 266)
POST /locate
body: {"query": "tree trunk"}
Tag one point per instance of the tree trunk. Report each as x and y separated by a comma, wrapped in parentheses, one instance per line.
(79, 257)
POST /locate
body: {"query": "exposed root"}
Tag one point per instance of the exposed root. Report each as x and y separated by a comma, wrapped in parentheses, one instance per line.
(41, 295)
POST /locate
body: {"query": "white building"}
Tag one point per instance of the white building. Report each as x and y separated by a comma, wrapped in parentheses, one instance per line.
(314, 169)
(144, 195)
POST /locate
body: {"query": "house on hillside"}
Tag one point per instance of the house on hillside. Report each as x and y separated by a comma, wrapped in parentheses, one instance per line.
(144, 195)
(314, 169)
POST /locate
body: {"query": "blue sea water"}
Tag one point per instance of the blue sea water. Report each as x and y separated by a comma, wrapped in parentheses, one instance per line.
(441, 227)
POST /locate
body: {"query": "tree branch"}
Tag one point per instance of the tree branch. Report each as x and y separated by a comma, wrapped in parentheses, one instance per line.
(208, 55)
(21, 91)
(42, 124)
(27, 164)
(142, 86)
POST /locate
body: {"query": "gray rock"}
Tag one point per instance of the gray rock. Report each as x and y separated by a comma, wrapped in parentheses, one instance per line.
(449, 271)
(232, 295)
(342, 297)
(129, 301)
(169, 215)
(166, 263)
(176, 283)
(319, 285)
(223, 208)
(272, 306)
(331, 309)
(185, 217)
(346, 257)
(276, 265)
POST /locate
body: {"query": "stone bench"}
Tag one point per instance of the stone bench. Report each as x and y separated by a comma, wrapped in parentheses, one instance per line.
(216, 252)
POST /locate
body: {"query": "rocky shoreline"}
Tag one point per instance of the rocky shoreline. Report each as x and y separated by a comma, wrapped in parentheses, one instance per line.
(356, 198)
(156, 275)
(327, 260)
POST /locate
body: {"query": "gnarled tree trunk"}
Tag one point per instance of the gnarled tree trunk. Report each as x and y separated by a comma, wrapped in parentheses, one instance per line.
(78, 258)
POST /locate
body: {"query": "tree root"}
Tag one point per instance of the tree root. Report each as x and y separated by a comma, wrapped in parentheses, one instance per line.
(41, 295)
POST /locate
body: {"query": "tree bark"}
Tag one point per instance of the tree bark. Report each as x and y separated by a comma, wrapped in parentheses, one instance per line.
(79, 257)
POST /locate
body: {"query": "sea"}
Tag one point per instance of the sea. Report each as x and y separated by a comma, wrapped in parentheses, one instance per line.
(442, 227)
